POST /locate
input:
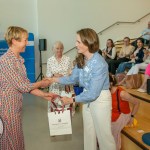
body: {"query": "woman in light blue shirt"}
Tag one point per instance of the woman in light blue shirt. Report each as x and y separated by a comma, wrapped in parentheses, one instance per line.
(91, 72)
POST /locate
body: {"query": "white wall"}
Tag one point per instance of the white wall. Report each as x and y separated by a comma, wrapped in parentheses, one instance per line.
(20, 13)
(118, 32)
(60, 19)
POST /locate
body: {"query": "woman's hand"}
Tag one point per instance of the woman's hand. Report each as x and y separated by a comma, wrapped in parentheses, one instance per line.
(130, 123)
(51, 80)
(49, 96)
(67, 100)
(45, 83)
(132, 56)
(146, 52)
(103, 53)
(58, 75)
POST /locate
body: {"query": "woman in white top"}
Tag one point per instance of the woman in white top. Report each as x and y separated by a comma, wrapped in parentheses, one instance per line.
(57, 66)
(109, 53)
(136, 68)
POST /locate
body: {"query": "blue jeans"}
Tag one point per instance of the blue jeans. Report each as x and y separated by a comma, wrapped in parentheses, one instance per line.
(122, 67)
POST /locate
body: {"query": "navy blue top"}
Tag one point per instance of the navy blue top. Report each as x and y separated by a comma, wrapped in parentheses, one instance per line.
(140, 56)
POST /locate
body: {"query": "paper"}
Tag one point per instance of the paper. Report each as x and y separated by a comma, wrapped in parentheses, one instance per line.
(140, 131)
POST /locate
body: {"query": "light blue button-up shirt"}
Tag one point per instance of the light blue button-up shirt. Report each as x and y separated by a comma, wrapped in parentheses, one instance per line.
(147, 36)
(93, 78)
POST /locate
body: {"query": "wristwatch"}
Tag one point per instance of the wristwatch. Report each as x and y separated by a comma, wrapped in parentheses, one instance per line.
(73, 99)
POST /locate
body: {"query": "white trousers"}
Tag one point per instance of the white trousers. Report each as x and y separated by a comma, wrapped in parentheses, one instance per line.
(97, 123)
(135, 69)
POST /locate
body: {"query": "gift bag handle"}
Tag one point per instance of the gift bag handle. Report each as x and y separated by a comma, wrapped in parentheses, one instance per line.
(56, 109)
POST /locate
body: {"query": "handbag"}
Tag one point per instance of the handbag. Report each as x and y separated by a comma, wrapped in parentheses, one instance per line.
(133, 81)
(78, 90)
(59, 118)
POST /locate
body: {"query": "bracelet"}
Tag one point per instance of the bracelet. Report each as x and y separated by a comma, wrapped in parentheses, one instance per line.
(132, 116)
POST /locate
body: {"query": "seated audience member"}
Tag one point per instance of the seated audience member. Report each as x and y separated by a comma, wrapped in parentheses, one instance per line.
(58, 65)
(110, 52)
(136, 57)
(124, 55)
(145, 36)
(121, 113)
(136, 68)
(147, 76)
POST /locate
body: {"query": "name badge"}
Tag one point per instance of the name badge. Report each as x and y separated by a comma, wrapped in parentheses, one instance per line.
(86, 69)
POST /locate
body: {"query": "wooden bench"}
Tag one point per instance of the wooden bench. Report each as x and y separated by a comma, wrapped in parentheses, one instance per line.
(131, 138)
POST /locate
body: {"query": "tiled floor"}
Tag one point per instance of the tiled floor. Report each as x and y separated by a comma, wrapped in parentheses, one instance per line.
(36, 131)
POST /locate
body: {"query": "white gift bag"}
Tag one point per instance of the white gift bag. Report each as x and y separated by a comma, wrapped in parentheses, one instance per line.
(60, 123)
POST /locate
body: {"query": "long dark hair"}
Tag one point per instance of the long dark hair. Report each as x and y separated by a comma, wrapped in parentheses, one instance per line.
(89, 38)
(112, 44)
(141, 40)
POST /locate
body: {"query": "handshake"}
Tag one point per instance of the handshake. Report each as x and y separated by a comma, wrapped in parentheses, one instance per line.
(49, 96)
(47, 81)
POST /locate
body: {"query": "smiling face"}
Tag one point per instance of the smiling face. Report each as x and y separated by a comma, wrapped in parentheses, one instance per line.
(140, 44)
(126, 41)
(21, 44)
(80, 46)
(109, 43)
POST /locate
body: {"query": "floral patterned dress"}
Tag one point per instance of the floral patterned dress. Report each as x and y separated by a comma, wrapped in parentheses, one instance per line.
(13, 82)
(54, 67)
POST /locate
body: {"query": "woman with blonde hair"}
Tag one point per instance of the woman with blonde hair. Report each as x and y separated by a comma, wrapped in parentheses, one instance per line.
(14, 82)
(91, 72)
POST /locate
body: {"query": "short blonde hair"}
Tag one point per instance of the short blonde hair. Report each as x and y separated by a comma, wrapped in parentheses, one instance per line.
(14, 32)
(58, 43)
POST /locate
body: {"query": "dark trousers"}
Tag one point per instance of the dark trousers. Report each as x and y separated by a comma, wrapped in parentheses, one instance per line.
(109, 62)
(113, 65)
